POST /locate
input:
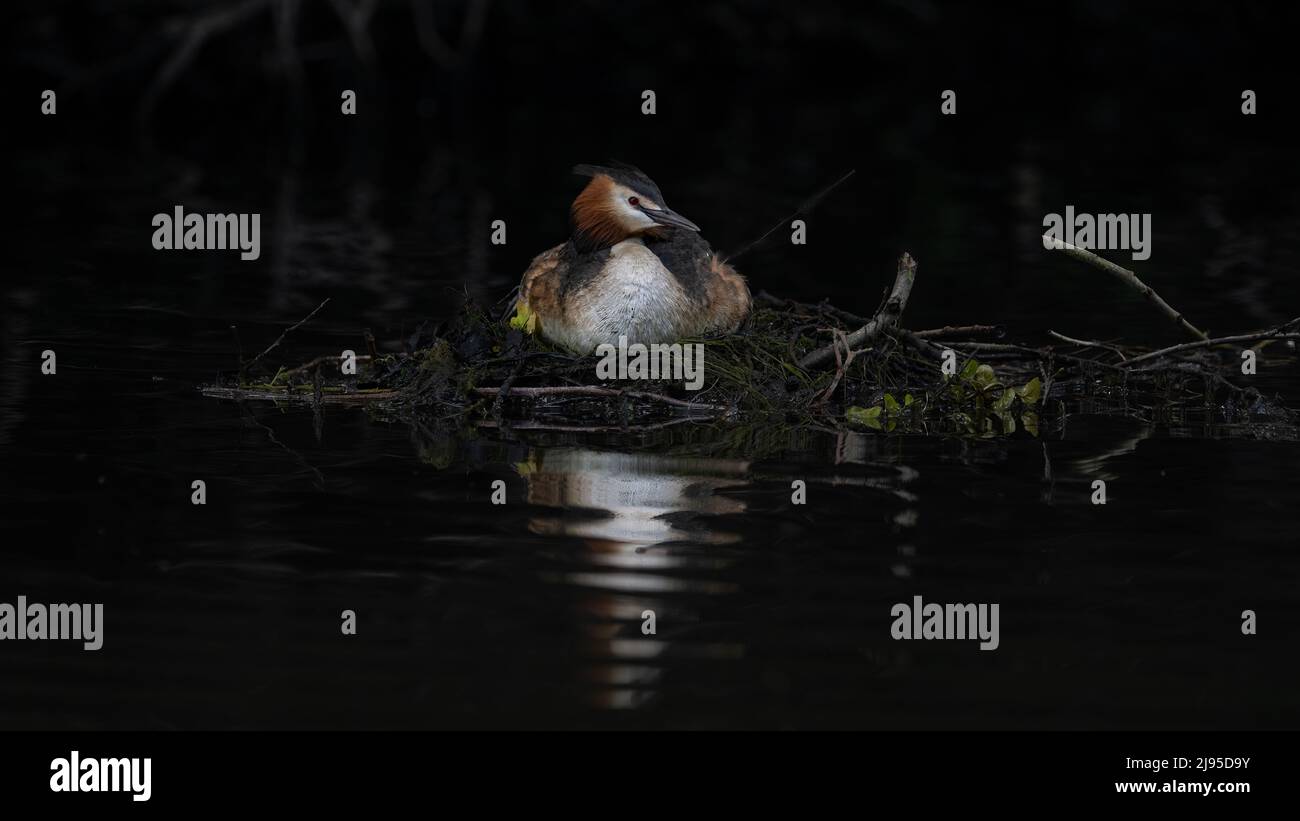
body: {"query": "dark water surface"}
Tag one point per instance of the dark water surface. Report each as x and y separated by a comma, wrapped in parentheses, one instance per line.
(529, 614)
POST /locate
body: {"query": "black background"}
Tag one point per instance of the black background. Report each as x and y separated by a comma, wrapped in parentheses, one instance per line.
(1105, 105)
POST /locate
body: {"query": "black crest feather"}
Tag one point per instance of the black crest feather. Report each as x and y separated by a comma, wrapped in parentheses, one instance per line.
(624, 174)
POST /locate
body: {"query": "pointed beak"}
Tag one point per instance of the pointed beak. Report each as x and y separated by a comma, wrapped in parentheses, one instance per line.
(665, 216)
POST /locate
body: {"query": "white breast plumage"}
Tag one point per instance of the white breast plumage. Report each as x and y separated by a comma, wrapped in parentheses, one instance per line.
(634, 296)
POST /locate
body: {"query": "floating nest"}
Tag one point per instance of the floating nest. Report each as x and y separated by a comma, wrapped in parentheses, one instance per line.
(793, 365)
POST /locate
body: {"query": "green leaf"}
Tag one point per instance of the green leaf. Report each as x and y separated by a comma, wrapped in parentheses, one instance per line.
(984, 376)
(1031, 392)
(1029, 420)
(891, 404)
(1008, 423)
(908, 400)
(867, 417)
(968, 370)
(1004, 401)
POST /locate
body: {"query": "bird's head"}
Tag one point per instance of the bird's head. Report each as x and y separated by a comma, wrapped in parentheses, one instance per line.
(620, 202)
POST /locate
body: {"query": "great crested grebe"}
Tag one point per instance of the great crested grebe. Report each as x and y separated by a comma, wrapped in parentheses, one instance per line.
(631, 268)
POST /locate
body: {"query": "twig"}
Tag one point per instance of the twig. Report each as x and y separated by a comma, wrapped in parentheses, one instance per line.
(821, 308)
(503, 391)
(795, 337)
(923, 345)
(303, 397)
(807, 204)
(1280, 332)
(996, 331)
(593, 390)
(886, 317)
(1048, 371)
(1128, 278)
(1193, 370)
(1089, 344)
(312, 364)
(841, 365)
(286, 332)
(1034, 352)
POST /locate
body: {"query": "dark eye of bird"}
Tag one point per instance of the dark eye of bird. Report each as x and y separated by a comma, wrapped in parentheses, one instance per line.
(633, 201)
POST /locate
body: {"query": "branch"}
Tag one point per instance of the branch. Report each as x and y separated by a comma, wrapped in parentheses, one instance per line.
(1283, 331)
(822, 307)
(886, 317)
(307, 366)
(1089, 344)
(360, 397)
(1128, 278)
(287, 331)
(995, 331)
(594, 390)
(998, 347)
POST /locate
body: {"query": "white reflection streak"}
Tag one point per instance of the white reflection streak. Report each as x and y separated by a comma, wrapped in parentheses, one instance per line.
(637, 494)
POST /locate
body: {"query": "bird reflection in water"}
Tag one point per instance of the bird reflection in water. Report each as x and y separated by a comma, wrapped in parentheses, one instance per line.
(647, 527)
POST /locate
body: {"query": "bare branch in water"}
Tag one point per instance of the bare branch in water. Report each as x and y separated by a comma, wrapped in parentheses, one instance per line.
(287, 331)
(1287, 330)
(1128, 278)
